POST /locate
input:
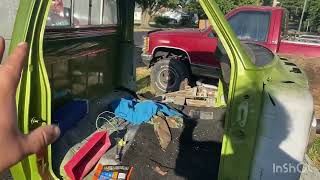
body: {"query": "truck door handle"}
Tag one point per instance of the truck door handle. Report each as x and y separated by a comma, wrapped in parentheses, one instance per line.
(242, 113)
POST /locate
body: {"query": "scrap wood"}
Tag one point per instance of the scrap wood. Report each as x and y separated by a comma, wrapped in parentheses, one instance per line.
(174, 122)
(202, 92)
(162, 131)
(200, 103)
(187, 93)
(179, 100)
(146, 96)
(199, 96)
(184, 84)
(159, 171)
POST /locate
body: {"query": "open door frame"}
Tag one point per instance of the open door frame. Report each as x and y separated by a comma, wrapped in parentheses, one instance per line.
(243, 103)
(33, 95)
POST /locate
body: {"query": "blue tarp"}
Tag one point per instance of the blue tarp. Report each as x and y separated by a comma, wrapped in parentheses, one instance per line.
(69, 114)
(139, 112)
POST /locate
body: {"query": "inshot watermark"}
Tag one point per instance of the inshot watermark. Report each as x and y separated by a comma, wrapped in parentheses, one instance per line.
(290, 168)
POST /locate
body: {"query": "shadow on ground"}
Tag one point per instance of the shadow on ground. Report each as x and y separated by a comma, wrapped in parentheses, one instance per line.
(143, 83)
(193, 153)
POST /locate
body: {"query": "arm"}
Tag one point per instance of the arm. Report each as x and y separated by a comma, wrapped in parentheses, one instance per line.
(14, 145)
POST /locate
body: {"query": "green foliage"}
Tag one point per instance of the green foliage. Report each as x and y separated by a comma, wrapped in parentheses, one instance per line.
(314, 152)
(227, 6)
(149, 7)
(294, 8)
(266, 2)
(155, 5)
(162, 20)
(292, 4)
(314, 15)
(186, 21)
(193, 6)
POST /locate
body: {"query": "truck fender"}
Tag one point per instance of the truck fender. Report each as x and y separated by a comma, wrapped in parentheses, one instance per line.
(171, 47)
(283, 132)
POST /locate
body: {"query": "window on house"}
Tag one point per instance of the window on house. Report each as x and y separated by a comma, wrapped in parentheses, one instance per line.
(110, 12)
(251, 25)
(60, 13)
(85, 13)
(95, 12)
(81, 12)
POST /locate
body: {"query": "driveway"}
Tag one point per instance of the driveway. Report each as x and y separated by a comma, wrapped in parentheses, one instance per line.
(138, 38)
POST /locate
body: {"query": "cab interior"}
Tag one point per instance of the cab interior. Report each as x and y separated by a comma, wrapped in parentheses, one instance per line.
(90, 63)
(88, 50)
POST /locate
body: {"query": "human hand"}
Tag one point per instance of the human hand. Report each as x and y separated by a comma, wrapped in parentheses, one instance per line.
(14, 145)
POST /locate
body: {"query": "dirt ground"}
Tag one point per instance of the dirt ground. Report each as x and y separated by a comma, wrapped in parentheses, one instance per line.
(193, 153)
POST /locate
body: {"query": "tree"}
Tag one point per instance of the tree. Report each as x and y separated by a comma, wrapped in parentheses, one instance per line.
(194, 7)
(313, 15)
(225, 6)
(294, 8)
(266, 2)
(150, 7)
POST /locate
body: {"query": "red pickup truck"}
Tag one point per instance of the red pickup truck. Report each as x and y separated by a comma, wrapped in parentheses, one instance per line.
(177, 54)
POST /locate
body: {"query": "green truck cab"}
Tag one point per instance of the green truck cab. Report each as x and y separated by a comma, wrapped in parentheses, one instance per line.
(269, 108)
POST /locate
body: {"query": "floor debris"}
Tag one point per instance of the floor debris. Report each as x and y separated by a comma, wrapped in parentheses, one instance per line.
(117, 172)
(162, 131)
(123, 117)
(199, 96)
(87, 156)
(174, 122)
(180, 100)
(137, 112)
(159, 171)
(187, 157)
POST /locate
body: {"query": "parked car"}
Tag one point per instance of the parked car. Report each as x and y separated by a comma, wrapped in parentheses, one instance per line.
(196, 50)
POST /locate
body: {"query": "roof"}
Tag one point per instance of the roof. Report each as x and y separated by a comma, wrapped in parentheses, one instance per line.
(269, 8)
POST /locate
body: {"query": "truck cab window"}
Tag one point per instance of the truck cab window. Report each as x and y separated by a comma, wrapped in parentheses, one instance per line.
(81, 12)
(110, 12)
(95, 12)
(251, 25)
(60, 13)
(85, 13)
(211, 35)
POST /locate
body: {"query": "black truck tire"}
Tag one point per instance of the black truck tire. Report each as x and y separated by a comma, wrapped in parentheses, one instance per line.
(166, 75)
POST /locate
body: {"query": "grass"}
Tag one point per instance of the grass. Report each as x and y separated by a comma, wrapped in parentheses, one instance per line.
(151, 27)
(143, 80)
(138, 28)
(314, 152)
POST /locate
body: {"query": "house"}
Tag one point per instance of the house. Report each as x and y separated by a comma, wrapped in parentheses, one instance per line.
(174, 14)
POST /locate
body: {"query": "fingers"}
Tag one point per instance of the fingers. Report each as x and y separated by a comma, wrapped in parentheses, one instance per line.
(2, 47)
(17, 59)
(40, 138)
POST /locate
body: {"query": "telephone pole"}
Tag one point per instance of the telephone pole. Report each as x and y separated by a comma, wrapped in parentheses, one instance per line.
(301, 19)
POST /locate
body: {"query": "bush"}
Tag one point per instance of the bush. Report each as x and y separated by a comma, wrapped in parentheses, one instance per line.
(186, 21)
(162, 20)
